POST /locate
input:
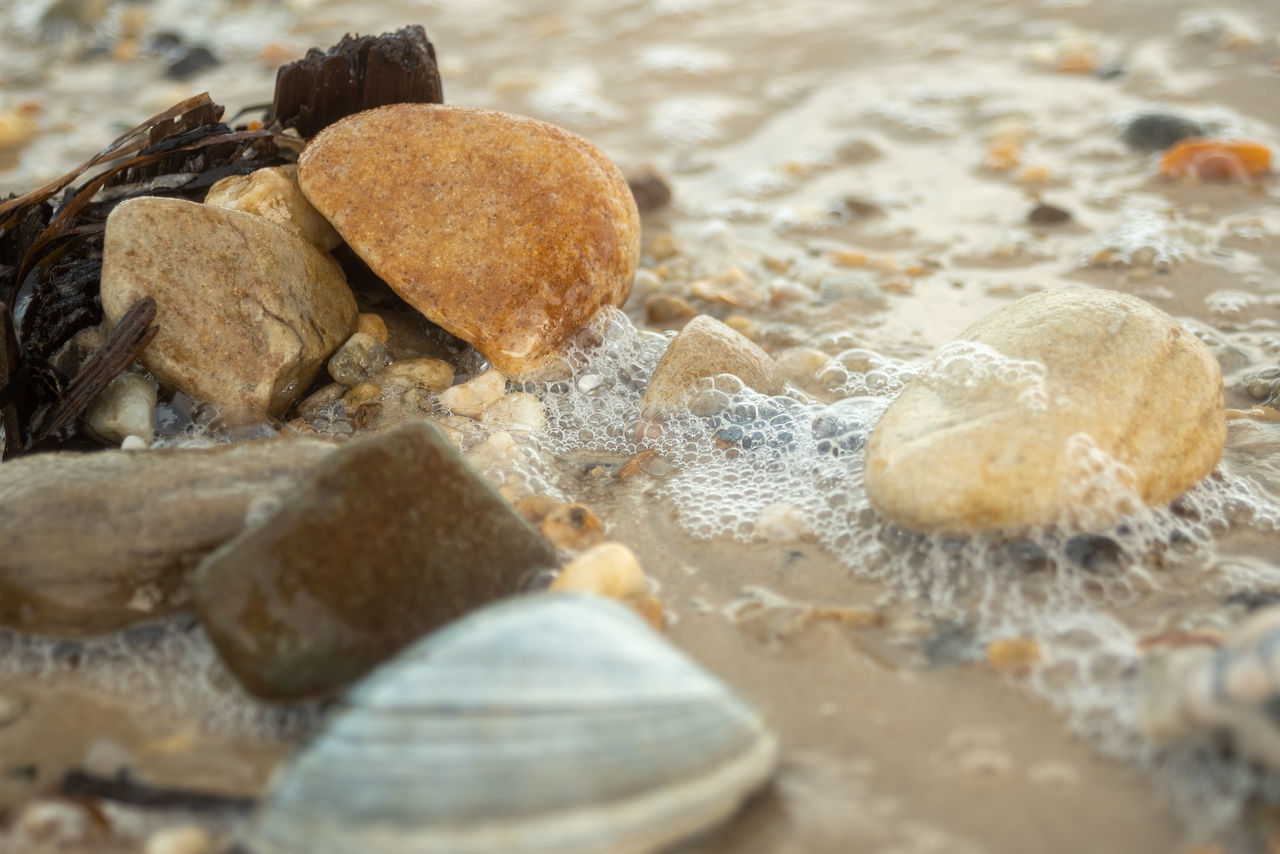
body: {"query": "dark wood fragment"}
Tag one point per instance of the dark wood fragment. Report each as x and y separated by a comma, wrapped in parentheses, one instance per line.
(121, 789)
(130, 337)
(9, 365)
(358, 73)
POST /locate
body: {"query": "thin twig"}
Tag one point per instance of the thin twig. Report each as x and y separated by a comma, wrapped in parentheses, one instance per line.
(82, 784)
(9, 363)
(130, 337)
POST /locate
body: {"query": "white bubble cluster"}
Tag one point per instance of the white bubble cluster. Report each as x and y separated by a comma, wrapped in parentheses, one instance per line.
(170, 667)
(1144, 237)
(981, 369)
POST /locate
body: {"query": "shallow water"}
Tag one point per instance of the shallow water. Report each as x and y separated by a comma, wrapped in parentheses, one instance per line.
(840, 155)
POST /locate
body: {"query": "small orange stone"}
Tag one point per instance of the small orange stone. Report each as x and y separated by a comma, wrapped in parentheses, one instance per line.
(1216, 160)
(1013, 655)
(849, 259)
(1003, 155)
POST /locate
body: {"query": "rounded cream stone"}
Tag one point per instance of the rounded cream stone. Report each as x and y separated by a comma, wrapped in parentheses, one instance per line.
(1075, 406)
(474, 396)
(609, 569)
(706, 348)
(509, 232)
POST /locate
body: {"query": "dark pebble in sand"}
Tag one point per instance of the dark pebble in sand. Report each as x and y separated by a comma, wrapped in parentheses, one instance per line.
(650, 189)
(1158, 131)
(1043, 214)
(1095, 553)
(188, 62)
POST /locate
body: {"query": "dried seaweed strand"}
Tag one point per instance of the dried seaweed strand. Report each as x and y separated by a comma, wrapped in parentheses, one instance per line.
(58, 227)
(9, 362)
(127, 340)
(82, 784)
(127, 143)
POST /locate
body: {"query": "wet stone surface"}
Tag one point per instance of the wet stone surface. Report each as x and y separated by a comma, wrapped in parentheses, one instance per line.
(394, 536)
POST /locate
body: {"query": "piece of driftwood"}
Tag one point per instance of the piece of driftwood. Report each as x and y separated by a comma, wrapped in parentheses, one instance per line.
(358, 73)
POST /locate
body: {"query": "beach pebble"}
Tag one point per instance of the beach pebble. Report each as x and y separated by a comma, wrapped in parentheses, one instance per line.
(273, 193)
(573, 527)
(360, 395)
(519, 411)
(16, 130)
(357, 360)
(373, 324)
(733, 287)
(391, 537)
(800, 365)
(12, 709)
(782, 523)
(97, 542)
(179, 840)
(509, 232)
(667, 310)
(316, 403)
(1054, 408)
(650, 188)
(422, 373)
(1158, 131)
(608, 569)
(473, 397)
(57, 824)
(247, 311)
(706, 348)
(126, 407)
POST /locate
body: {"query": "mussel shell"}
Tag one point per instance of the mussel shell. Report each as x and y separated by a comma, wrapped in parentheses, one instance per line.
(548, 723)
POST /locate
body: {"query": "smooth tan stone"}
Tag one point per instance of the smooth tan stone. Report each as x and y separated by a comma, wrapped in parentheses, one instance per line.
(1073, 406)
(474, 396)
(706, 348)
(247, 311)
(273, 193)
(509, 232)
(609, 569)
(373, 324)
(430, 374)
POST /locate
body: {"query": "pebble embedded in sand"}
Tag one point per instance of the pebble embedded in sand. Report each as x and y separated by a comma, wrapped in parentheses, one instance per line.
(509, 232)
(1060, 407)
(357, 360)
(706, 348)
(608, 569)
(247, 311)
(476, 395)
(273, 193)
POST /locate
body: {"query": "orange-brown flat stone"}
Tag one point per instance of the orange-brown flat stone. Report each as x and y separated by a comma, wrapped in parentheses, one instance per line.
(509, 232)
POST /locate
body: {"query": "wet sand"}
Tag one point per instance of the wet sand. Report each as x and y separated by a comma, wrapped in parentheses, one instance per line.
(765, 120)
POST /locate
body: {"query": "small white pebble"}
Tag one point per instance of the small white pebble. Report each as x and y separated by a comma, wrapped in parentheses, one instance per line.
(179, 840)
(473, 397)
(134, 443)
